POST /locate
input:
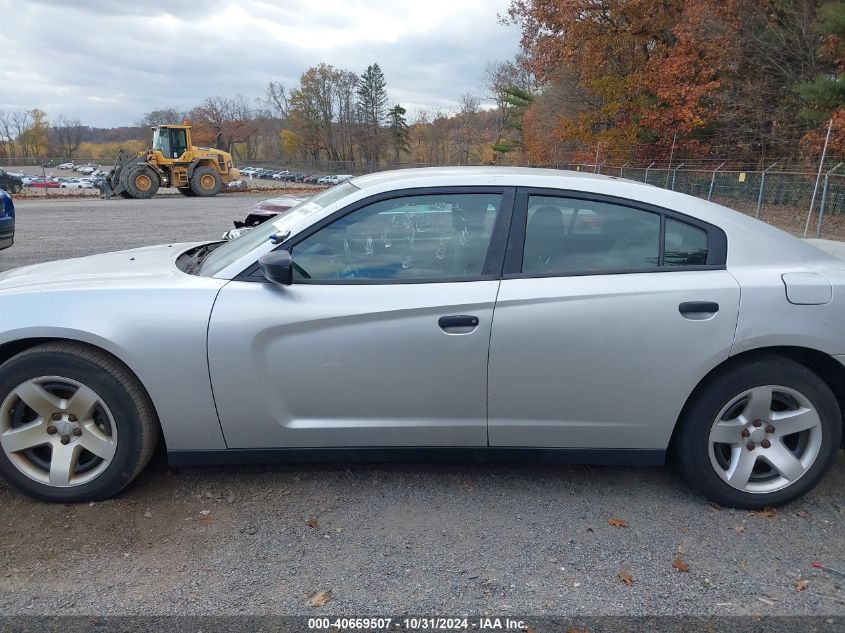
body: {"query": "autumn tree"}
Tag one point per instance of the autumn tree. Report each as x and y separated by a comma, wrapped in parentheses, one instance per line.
(33, 131)
(66, 135)
(162, 116)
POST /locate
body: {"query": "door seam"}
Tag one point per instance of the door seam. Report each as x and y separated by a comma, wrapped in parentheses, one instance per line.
(487, 375)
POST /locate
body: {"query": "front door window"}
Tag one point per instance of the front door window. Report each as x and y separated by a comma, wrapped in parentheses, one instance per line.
(426, 237)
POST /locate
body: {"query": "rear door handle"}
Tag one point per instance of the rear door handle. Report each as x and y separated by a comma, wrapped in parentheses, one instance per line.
(457, 320)
(698, 307)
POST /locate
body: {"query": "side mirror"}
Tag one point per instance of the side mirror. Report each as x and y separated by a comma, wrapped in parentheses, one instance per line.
(277, 268)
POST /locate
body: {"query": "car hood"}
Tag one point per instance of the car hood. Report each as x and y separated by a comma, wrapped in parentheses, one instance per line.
(139, 265)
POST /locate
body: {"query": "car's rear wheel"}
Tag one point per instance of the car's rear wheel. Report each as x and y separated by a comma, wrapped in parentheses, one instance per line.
(16, 188)
(761, 433)
(75, 424)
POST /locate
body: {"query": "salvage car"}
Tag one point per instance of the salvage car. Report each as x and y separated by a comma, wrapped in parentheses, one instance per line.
(449, 313)
(261, 212)
(7, 220)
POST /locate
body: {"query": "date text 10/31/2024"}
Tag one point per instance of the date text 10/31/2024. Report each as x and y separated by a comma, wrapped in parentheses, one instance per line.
(417, 624)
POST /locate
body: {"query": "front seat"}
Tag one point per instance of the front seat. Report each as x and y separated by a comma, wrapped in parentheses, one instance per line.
(543, 240)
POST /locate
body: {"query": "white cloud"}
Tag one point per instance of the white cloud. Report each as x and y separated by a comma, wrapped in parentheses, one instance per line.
(109, 62)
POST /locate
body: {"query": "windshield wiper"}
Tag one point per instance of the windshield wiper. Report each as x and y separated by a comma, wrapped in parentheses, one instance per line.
(195, 261)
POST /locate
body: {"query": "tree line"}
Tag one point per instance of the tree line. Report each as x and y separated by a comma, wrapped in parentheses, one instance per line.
(621, 80)
(607, 81)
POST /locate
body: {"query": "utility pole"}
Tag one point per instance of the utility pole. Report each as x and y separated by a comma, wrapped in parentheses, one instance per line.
(818, 177)
(598, 145)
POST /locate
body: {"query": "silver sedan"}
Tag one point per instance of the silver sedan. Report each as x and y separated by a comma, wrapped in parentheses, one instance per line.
(454, 313)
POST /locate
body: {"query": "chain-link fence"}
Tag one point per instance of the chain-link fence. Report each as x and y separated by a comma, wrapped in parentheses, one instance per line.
(793, 200)
(781, 198)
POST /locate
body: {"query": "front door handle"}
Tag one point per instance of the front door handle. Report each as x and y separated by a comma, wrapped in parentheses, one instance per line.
(457, 320)
(698, 307)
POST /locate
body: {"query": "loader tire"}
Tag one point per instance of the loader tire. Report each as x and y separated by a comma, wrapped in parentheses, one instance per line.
(186, 191)
(206, 182)
(142, 182)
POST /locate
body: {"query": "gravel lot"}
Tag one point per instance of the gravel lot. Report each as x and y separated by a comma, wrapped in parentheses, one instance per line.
(391, 538)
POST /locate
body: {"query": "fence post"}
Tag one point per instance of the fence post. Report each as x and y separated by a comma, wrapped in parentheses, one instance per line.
(824, 199)
(713, 181)
(760, 195)
(646, 172)
(44, 177)
(623, 167)
(675, 173)
(818, 175)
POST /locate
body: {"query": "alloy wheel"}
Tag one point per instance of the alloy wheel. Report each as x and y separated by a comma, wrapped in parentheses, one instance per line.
(765, 439)
(57, 431)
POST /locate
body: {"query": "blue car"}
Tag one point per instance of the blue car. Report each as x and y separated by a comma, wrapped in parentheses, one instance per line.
(7, 220)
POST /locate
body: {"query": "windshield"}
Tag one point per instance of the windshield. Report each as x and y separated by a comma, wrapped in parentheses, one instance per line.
(230, 252)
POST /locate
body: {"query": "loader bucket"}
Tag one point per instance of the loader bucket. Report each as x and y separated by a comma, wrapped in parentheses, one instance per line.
(114, 184)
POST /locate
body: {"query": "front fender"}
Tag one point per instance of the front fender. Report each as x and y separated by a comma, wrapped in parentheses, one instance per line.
(159, 335)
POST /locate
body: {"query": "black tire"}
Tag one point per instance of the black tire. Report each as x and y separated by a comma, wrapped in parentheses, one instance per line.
(142, 182)
(125, 194)
(691, 448)
(186, 191)
(134, 417)
(206, 182)
(16, 188)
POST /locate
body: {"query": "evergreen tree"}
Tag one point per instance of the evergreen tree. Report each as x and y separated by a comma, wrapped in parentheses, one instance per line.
(826, 93)
(398, 127)
(515, 102)
(372, 107)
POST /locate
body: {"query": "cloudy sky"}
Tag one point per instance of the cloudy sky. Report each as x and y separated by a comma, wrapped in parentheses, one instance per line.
(107, 62)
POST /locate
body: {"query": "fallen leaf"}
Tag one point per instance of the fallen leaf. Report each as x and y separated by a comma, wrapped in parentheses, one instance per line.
(682, 549)
(765, 513)
(680, 565)
(685, 530)
(713, 504)
(739, 529)
(801, 585)
(625, 577)
(842, 510)
(205, 518)
(320, 598)
(617, 523)
(802, 513)
(767, 601)
(574, 630)
(313, 523)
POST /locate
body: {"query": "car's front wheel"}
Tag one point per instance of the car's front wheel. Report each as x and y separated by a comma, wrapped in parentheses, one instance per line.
(760, 433)
(75, 424)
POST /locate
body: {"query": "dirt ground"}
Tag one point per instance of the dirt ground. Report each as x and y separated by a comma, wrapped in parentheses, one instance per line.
(392, 538)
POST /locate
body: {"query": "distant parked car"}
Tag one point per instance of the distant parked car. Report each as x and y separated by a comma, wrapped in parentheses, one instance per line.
(10, 183)
(49, 184)
(78, 183)
(7, 220)
(66, 166)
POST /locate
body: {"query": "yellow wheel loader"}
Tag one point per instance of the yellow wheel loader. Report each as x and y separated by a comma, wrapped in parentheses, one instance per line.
(172, 162)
